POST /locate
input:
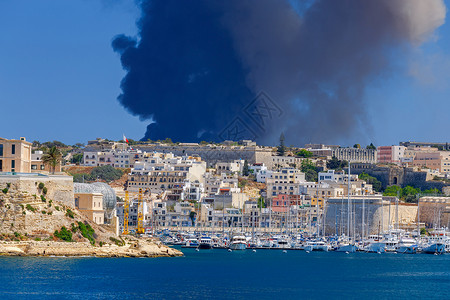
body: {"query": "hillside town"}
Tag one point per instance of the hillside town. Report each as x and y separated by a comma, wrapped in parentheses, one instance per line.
(140, 187)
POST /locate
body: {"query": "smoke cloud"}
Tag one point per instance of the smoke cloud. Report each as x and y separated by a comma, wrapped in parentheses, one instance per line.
(197, 64)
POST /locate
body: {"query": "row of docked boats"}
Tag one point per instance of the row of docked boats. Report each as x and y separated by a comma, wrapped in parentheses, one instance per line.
(398, 241)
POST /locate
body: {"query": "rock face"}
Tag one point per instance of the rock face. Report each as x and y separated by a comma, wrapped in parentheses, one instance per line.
(132, 248)
(29, 218)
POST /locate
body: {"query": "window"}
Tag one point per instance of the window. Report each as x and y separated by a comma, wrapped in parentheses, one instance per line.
(1, 149)
(13, 149)
(13, 164)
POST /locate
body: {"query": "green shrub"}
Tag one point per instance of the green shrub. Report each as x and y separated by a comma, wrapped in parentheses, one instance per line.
(43, 212)
(30, 208)
(41, 185)
(117, 241)
(21, 205)
(37, 239)
(8, 185)
(49, 213)
(43, 198)
(5, 190)
(16, 234)
(63, 234)
(87, 231)
(44, 190)
(70, 213)
(57, 208)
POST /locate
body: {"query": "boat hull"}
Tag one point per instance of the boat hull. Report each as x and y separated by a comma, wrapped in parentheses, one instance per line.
(205, 246)
(347, 248)
(238, 246)
(434, 248)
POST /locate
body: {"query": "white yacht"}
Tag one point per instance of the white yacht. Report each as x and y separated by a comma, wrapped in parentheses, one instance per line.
(238, 242)
(206, 243)
(317, 246)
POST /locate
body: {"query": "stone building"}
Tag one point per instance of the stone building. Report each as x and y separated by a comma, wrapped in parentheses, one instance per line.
(15, 155)
(356, 155)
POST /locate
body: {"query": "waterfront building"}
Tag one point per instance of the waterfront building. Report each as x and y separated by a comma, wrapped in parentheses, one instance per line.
(91, 205)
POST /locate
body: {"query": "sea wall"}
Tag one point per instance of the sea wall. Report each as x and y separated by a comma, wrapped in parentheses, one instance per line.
(378, 215)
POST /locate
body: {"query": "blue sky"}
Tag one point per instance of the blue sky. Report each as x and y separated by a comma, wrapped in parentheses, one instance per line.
(59, 77)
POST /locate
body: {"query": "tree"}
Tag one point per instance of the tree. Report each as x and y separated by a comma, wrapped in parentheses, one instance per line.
(245, 170)
(106, 173)
(304, 153)
(310, 170)
(281, 148)
(77, 158)
(392, 190)
(52, 158)
(336, 164)
(358, 146)
(192, 216)
(376, 184)
(261, 203)
(371, 146)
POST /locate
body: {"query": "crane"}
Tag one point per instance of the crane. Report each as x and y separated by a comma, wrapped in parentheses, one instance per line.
(126, 209)
(140, 220)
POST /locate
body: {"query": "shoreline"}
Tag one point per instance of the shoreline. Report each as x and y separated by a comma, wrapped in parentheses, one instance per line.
(133, 248)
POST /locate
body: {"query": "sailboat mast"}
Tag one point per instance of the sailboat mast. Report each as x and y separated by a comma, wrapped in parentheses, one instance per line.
(348, 202)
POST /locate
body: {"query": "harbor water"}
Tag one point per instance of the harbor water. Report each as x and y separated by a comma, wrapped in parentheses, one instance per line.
(217, 273)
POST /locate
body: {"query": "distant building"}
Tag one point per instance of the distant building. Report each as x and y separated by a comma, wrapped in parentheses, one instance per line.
(37, 165)
(358, 155)
(390, 154)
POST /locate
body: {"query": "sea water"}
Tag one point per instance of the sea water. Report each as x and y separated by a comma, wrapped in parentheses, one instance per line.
(219, 274)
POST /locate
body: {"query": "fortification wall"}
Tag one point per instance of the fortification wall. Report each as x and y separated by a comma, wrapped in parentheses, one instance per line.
(390, 175)
(377, 216)
(59, 187)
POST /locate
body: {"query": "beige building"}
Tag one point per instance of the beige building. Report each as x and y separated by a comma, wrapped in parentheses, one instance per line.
(91, 204)
(15, 155)
(286, 181)
(356, 155)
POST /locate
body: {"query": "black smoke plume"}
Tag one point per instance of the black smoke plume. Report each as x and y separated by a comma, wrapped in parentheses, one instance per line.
(197, 63)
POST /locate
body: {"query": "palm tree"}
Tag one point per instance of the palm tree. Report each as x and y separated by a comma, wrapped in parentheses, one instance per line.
(52, 158)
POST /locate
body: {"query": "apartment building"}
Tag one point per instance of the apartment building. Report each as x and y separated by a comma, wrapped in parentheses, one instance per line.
(166, 172)
(390, 154)
(15, 155)
(286, 181)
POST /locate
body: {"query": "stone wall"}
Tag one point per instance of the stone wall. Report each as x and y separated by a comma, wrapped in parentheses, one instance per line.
(59, 187)
(378, 215)
(392, 174)
(435, 211)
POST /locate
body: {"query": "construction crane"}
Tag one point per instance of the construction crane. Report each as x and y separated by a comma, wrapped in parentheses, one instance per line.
(126, 210)
(140, 220)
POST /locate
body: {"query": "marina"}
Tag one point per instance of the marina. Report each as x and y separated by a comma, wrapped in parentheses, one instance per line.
(391, 241)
